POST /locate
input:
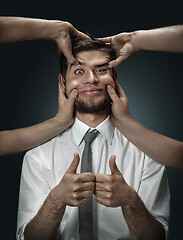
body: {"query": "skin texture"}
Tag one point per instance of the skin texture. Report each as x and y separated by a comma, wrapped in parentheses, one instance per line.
(163, 149)
(15, 29)
(125, 45)
(74, 189)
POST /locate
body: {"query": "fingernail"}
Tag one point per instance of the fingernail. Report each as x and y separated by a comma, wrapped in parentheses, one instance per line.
(109, 87)
(109, 66)
(74, 91)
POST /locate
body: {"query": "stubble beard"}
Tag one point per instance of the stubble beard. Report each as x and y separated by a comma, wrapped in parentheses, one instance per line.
(89, 106)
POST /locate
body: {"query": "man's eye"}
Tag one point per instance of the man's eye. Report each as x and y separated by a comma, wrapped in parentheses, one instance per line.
(101, 70)
(79, 71)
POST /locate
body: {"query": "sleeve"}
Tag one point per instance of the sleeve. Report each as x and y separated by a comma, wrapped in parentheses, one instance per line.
(33, 191)
(154, 191)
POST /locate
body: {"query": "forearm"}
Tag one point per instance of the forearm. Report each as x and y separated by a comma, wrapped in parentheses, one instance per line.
(14, 29)
(18, 140)
(45, 225)
(161, 39)
(141, 223)
(163, 149)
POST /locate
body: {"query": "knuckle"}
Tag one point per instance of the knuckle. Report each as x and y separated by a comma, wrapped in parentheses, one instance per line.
(76, 188)
(108, 188)
(75, 195)
(76, 178)
(109, 195)
(110, 178)
(93, 185)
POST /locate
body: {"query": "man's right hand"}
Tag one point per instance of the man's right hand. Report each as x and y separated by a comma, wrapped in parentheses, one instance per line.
(75, 189)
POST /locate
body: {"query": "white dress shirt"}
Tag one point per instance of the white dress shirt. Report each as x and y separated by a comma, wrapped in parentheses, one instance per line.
(44, 167)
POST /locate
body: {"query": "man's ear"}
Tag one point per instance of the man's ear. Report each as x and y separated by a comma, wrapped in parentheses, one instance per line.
(61, 82)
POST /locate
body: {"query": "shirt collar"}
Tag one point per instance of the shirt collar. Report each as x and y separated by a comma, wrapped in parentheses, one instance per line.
(105, 128)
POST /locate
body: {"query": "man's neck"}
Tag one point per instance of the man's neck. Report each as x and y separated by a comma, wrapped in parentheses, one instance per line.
(92, 119)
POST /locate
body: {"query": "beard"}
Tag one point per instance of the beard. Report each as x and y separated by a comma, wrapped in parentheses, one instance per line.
(90, 106)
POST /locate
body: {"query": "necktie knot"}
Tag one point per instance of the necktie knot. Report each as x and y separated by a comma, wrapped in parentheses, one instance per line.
(89, 137)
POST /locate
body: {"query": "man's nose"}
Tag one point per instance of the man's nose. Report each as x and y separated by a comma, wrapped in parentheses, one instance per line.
(91, 77)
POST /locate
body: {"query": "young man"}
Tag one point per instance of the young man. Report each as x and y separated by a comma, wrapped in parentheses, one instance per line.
(128, 190)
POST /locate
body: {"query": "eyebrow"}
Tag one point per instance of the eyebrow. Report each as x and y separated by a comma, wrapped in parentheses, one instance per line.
(102, 65)
(74, 64)
(98, 65)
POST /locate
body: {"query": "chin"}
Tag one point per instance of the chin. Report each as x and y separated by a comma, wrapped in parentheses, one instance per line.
(91, 106)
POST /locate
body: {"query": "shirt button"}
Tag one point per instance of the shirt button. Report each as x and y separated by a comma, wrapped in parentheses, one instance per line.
(93, 150)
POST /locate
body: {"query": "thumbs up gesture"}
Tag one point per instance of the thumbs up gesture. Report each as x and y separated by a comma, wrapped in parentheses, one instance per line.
(75, 189)
(111, 190)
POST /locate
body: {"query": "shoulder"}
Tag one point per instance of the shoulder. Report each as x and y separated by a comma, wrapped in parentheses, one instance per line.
(138, 155)
(45, 150)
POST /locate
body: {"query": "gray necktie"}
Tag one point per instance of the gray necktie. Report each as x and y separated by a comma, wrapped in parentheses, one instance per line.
(86, 210)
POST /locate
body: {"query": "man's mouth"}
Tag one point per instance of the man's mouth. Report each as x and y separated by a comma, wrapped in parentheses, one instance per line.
(90, 91)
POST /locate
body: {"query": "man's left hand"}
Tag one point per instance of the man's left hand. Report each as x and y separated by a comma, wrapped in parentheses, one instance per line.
(111, 190)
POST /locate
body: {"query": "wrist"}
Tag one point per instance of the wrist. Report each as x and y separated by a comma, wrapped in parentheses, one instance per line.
(56, 201)
(134, 40)
(62, 122)
(123, 121)
(52, 29)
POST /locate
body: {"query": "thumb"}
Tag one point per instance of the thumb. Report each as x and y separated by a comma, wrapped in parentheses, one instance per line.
(113, 166)
(74, 164)
(72, 96)
(112, 93)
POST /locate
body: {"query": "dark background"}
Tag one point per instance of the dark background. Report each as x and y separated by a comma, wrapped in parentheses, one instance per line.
(28, 83)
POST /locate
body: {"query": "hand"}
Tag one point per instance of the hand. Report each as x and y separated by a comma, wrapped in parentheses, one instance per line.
(65, 115)
(62, 37)
(119, 107)
(75, 189)
(123, 46)
(111, 190)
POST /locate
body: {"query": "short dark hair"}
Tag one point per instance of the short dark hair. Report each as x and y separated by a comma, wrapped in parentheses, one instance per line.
(82, 45)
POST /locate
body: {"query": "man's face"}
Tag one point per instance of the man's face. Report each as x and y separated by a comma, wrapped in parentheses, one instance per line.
(90, 76)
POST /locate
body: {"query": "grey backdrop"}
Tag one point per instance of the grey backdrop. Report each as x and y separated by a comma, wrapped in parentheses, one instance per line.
(28, 84)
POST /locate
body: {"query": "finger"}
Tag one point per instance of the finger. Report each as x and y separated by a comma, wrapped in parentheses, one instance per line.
(112, 93)
(102, 178)
(100, 186)
(84, 177)
(66, 48)
(121, 92)
(74, 164)
(103, 201)
(86, 186)
(72, 96)
(125, 53)
(83, 194)
(81, 35)
(117, 61)
(105, 39)
(103, 194)
(113, 166)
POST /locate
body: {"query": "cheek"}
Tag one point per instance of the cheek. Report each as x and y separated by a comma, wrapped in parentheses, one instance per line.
(71, 85)
(108, 80)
